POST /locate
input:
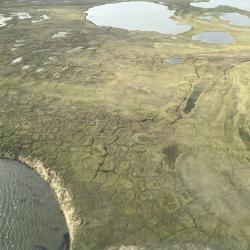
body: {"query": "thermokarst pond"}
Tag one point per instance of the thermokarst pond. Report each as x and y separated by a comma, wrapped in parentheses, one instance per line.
(236, 19)
(195, 94)
(30, 215)
(215, 38)
(137, 16)
(149, 131)
(239, 4)
(173, 60)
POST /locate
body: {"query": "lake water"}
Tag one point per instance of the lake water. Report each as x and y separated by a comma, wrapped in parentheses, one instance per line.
(173, 60)
(137, 16)
(240, 4)
(30, 216)
(236, 19)
(215, 37)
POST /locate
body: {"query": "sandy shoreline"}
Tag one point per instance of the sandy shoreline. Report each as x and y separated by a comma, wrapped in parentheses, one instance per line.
(63, 195)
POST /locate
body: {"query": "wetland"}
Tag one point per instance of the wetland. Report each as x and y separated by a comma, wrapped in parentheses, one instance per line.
(140, 133)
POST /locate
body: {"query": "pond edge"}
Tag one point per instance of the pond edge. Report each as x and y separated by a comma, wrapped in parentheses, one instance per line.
(62, 194)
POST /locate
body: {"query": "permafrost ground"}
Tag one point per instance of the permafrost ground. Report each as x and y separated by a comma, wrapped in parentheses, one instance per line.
(155, 155)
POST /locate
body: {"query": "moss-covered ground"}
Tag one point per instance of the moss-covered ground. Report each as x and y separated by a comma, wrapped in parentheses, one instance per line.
(102, 109)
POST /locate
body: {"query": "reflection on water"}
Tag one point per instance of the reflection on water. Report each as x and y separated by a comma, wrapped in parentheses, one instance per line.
(240, 4)
(215, 37)
(236, 19)
(138, 15)
(30, 216)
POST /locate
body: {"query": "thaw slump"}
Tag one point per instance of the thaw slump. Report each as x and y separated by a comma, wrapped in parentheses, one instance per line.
(30, 216)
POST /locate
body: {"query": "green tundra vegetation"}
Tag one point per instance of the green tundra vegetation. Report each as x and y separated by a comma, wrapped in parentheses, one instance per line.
(155, 155)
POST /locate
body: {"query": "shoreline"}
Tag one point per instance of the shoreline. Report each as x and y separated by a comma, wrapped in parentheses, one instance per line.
(62, 194)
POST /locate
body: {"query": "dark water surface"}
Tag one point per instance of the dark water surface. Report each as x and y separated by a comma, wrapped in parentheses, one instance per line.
(195, 94)
(30, 216)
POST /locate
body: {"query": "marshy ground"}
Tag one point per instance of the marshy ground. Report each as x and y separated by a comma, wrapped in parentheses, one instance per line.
(156, 155)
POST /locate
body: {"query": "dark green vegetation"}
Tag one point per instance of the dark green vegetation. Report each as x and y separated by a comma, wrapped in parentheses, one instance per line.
(102, 108)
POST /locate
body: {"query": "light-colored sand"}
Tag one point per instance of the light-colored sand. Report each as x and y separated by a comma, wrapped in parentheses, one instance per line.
(60, 34)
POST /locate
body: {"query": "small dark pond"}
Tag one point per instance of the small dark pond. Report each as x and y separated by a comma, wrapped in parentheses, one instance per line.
(173, 60)
(195, 94)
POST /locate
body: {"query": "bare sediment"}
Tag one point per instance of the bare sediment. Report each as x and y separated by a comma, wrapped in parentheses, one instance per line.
(62, 193)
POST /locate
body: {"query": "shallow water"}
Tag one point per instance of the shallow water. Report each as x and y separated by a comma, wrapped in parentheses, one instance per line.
(191, 101)
(236, 19)
(240, 4)
(215, 37)
(30, 216)
(137, 16)
(173, 60)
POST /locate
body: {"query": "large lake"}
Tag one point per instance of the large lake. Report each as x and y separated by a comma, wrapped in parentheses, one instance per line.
(30, 216)
(137, 16)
